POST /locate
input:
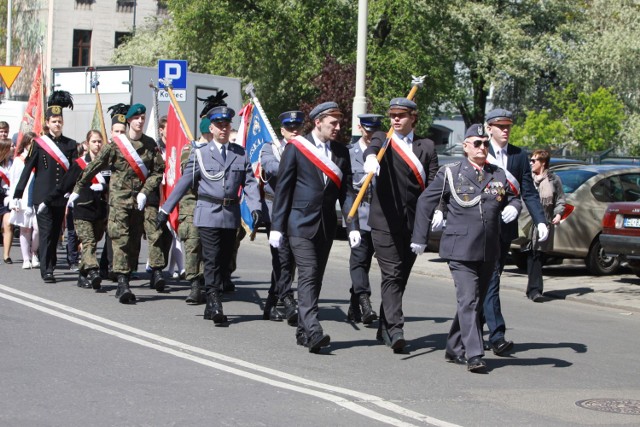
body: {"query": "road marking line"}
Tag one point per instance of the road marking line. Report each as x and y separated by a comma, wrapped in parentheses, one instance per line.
(363, 397)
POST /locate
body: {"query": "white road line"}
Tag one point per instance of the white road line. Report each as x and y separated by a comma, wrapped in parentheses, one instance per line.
(348, 404)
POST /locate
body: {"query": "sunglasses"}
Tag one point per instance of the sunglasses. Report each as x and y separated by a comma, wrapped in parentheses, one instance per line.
(534, 160)
(478, 142)
(293, 126)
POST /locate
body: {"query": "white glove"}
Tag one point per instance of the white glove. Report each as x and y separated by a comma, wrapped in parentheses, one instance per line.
(15, 204)
(437, 221)
(42, 208)
(509, 214)
(275, 239)
(6, 201)
(97, 187)
(354, 238)
(28, 211)
(418, 248)
(543, 232)
(142, 200)
(72, 198)
(371, 165)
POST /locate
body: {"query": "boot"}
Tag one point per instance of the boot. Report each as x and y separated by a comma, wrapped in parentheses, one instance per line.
(354, 314)
(271, 312)
(82, 281)
(290, 310)
(196, 296)
(228, 285)
(123, 293)
(368, 315)
(94, 280)
(157, 281)
(213, 309)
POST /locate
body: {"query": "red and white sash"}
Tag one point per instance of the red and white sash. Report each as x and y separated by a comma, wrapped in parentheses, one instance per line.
(410, 159)
(4, 177)
(513, 182)
(98, 178)
(132, 157)
(52, 149)
(330, 169)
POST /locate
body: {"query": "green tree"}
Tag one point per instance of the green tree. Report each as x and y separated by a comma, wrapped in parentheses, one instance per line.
(540, 130)
(154, 40)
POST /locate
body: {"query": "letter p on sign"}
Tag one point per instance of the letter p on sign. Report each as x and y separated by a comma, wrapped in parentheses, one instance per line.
(173, 69)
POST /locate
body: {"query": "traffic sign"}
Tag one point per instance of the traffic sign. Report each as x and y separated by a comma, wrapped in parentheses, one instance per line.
(180, 94)
(175, 70)
(9, 73)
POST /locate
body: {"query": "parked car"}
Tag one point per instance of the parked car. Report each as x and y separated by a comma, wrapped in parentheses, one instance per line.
(621, 233)
(589, 189)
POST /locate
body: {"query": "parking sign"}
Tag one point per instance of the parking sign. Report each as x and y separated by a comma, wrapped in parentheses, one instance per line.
(176, 70)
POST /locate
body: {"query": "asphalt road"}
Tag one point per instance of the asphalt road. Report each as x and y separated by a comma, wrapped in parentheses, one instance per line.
(73, 357)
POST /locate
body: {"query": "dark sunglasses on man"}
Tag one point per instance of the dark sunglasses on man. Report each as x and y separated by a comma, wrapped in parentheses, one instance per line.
(292, 126)
(478, 142)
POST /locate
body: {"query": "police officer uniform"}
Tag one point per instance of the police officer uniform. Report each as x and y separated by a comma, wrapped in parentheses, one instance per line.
(48, 173)
(220, 170)
(474, 196)
(282, 261)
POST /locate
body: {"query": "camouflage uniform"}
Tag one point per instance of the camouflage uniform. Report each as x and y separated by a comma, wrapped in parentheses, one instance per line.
(89, 233)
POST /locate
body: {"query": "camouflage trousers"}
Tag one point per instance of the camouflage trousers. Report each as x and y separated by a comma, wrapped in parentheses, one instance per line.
(89, 234)
(159, 241)
(125, 228)
(191, 248)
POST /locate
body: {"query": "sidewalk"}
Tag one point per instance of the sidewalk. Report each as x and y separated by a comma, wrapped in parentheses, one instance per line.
(569, 281)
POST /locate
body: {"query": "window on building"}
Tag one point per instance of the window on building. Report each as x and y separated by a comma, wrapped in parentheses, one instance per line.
(121, 37)
(81, 48)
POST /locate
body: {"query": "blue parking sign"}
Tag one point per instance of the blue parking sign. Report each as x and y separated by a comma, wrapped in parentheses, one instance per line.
(174, 69)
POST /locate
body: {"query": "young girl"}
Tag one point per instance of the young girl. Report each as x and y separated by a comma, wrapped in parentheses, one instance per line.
(7, 230)
(23, 215)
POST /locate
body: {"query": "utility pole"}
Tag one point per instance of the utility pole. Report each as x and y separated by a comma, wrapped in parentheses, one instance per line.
(360, 100)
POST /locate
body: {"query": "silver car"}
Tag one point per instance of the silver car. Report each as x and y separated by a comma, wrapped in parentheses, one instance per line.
(588, 189)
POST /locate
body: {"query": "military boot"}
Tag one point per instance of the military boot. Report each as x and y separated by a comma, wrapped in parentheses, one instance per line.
(290, 310)
(271, 312)
(354, 314)
(213, 309)
(123, 293)
(157, 281)
(197, 295)
(82, 281)
(368, 315)
(93, 279)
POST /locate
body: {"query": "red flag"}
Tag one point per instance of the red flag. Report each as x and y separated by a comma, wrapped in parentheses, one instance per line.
(176, 140)
(32, 119)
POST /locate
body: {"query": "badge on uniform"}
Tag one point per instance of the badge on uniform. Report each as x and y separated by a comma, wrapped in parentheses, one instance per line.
(496, 189)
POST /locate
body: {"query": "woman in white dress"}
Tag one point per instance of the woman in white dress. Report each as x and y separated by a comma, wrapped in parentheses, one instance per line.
(23, 215)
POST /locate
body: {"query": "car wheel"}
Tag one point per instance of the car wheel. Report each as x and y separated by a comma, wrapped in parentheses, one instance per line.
(598, 263)
(519, 259)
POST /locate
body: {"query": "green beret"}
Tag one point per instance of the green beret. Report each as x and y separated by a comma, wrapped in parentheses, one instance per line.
(136, 110)
(204, 125)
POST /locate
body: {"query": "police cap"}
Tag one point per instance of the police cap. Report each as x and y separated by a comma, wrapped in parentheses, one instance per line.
(370, 122)
(325, 109)
(221, 113)
(499, 116)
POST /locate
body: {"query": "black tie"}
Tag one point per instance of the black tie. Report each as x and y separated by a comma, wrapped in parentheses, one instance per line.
(223, 151)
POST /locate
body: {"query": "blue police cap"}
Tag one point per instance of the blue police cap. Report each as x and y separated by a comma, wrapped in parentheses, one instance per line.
(475, 130)
(325, 109)
(370, 122)
(402, 103)
(135, 110)
(291, 118)
(204, 125)
(499, 116)
(221, 114)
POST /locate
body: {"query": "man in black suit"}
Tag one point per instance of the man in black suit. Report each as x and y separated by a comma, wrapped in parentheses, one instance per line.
(408, 166)
(314, 172)
(49, 159)
(515, 162)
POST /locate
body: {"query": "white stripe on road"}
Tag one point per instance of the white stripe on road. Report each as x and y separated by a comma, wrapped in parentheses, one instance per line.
(323, 392)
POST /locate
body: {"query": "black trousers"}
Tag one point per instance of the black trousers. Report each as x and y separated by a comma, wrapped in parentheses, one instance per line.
(393, 252)
(49, 226)
(360, 264)
(217, 247)
(311, 257)
(283, 267)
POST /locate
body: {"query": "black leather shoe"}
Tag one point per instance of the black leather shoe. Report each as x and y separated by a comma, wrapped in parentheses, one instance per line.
(82, 281)
(458, 360)
(501, 346)
(537, 297)
(270, 311)
(368, 315)
(8, 260)
(317, 341)
(486, 346)
(157, 281)
(398, 342)
(48, 278)
(213, 309)
(94, 280)
(123, 293)
(476, 364)
(301, 339)
(383, 336)
(354, 314)
(290, 310)
(196, 295)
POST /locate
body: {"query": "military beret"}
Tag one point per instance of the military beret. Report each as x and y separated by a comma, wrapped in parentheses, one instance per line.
(325, 109)
(370, 122)
(475, 130)
(204, 125)
(291, 117)
(221, 114)
(402, 104)
(499, 116)
(135, 110)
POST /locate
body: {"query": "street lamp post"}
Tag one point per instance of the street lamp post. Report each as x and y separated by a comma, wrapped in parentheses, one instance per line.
(360, 100)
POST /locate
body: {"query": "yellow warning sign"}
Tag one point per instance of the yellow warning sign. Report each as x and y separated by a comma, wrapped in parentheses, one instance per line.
(9, 73)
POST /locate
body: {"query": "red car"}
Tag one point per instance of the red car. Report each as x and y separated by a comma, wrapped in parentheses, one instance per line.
(621, 232)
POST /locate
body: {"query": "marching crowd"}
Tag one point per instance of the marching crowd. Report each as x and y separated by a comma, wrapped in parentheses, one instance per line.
(112, 189)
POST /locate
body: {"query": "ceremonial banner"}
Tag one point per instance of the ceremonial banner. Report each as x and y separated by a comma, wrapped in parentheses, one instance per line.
(32, 119)
(176, 141)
